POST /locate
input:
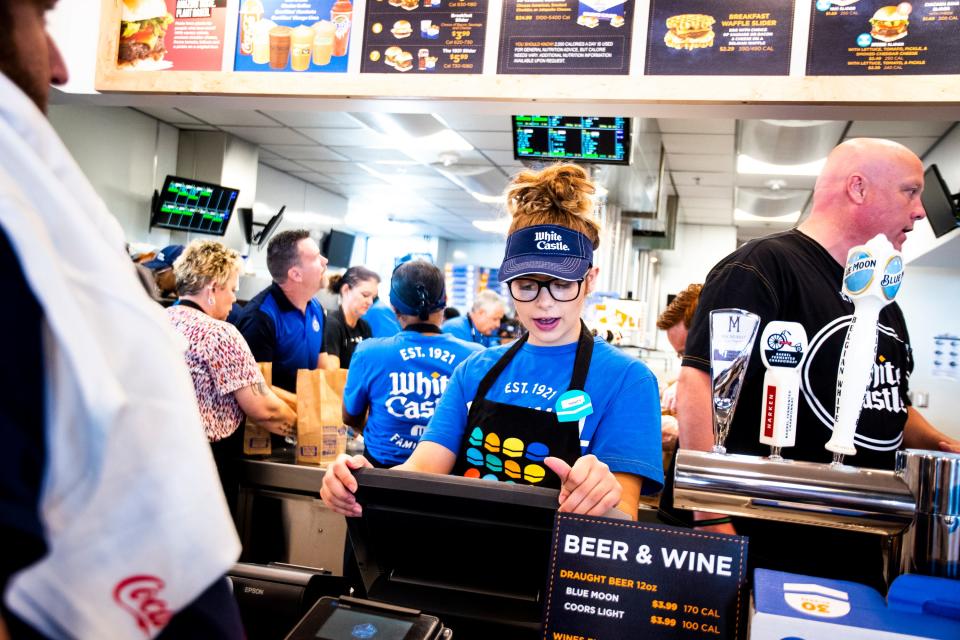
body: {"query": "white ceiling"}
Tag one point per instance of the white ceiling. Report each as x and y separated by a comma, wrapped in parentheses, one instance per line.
(338, 153)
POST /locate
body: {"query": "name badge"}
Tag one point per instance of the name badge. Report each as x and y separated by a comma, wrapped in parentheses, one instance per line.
(572, 406)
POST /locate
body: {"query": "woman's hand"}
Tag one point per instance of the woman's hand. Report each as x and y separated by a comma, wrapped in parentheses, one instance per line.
(588, 487)
(339, 485)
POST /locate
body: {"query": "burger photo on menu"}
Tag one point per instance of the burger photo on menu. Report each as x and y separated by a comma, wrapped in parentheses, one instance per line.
(889, 23)
(401, 29)
(390, 56)
(689, 31)
(404, 61)
(590, 22)
(143, 26)
(409, 5)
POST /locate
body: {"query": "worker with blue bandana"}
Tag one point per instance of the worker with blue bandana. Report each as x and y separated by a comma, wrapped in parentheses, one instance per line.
(401, 379)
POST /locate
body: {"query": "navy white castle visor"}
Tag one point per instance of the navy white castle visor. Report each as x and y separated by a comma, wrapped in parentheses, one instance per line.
(549, 250)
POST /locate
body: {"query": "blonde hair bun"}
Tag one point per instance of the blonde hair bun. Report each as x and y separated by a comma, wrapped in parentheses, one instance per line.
(559, 194)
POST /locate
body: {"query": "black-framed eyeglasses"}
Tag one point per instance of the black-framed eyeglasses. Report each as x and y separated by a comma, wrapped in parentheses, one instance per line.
(527, 289)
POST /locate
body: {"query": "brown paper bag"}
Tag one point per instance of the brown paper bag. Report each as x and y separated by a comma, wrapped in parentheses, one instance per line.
(256, 439)
(321, 434)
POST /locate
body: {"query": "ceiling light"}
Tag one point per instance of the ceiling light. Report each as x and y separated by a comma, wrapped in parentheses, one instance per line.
(412, 132)
(749, 165)
(739, 215)
(788, 142)
(500, 225)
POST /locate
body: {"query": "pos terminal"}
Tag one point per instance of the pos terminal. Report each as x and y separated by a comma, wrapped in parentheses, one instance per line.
(345, 618)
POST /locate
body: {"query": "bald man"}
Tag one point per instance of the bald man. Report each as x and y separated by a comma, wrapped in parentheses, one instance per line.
(867, 186)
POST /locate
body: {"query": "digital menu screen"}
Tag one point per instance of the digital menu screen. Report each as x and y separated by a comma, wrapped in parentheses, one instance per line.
(424, 36)
(575, 138)
(880, 37)
(195, 207)
(566, 37)
(705, 37)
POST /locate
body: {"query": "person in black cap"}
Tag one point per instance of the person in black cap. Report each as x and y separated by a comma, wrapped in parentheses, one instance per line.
(400, 379)
(162, 267)
(558, 408)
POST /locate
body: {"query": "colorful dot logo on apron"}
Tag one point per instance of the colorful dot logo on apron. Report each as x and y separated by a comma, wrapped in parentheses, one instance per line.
(513, 458)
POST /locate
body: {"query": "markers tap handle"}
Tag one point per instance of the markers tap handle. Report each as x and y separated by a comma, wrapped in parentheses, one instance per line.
(783, 347)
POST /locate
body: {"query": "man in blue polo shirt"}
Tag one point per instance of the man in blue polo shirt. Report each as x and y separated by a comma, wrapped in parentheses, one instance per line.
(481, 322)
(283, 324)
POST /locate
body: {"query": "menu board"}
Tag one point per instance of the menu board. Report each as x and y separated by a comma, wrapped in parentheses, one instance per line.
(611, 579)
(293, 35)
(861, 37)
(424, 36)
(566, 36)
(184, 35)
(709, 38)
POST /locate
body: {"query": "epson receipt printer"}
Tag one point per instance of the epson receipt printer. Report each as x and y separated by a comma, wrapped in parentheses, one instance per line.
(347, 618)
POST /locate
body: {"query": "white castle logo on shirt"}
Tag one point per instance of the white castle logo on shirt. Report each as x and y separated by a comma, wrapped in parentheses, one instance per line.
(550, 240)
(414, 395)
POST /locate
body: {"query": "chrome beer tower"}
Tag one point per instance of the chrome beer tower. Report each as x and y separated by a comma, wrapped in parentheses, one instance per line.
(916, 506)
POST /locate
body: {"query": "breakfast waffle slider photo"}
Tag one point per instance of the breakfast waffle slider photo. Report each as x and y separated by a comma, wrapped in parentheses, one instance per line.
(689, 31)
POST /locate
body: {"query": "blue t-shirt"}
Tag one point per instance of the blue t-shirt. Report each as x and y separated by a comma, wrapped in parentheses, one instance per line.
(382, 320)
(625, 423)
(461, 327)
(401, 379)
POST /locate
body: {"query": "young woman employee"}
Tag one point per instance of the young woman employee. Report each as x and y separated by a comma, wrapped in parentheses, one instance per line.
(557, 408)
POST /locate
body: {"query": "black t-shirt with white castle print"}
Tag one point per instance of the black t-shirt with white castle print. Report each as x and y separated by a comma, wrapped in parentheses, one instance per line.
(790, 277)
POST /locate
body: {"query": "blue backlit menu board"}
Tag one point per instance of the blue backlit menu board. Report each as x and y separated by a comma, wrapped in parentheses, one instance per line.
(876, 37)
(705, 37)
(566, 37)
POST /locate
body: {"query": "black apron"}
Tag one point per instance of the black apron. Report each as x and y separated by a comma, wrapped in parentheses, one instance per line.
(507, 442)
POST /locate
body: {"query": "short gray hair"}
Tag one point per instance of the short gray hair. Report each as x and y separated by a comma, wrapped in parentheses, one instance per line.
(488, 298)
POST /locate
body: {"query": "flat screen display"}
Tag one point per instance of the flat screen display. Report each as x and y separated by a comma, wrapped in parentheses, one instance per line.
(940, 206)
(338, 248)
(195, 207)
(584, 139)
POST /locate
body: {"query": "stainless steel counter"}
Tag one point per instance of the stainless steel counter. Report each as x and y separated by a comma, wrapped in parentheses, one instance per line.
(281, 518)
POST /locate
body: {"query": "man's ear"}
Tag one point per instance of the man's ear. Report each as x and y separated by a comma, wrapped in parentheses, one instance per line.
(293, 273)
(857, 188)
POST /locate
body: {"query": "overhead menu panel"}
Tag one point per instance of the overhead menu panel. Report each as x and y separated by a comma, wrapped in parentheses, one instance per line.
(705, 37)
(868, 37)
(589, 37)
(424, 36)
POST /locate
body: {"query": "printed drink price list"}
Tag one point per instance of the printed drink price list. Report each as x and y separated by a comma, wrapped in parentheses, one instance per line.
(612, 579)
(566, 37)
(704, 37)
(424, 36)
(879, 37)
